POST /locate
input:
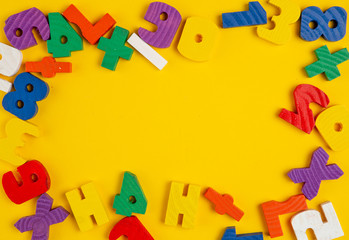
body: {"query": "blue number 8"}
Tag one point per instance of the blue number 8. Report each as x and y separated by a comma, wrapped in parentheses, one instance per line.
(22, 102)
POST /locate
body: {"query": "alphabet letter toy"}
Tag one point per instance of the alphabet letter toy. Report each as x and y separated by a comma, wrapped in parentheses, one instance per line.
(327, 63)
(305, 94)
(273, 209)
(48, 67)
(11, 60)
(34, 182)
(224, 204)
(256, 15)
(18, 28)
(89, 205)
(321, 23)
(115, 48)
(317, 172)
(43, 218)
(331, 229)
(130, 227)
(179, 204)
(92, 33)
(281, 34)
(166, 28)
(15, 128)
(333, 125)
(230, 234)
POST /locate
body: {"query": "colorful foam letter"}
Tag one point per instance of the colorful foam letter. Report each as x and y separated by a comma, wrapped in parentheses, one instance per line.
(5, 86)
(130, 227)
(321, 24)
(19, 27)
(15, 129)
(304, 94)
(185, 205)
(146, 50)
(84, 208)
(34, 182)
(42, 220)
(281, 34)
(48, 67)
(22, 102)
(11, 60)
(60, 29)
(256, 15)
(333, 125)
(230, 234)
(115, 48)
(327, 63)
(224, 204)
(317, 172)
(331, 229)
(166, 28)
(198, 39)
(131, 198)
(273, 209)
(92, 33)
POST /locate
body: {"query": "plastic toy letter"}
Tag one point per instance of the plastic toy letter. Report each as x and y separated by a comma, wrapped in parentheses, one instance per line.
(130, 227)
(198, 39)
(166, 28)
(34, 182)
(43, 218)
(281, 33)
(179, 204)
(84, 208)
(273, 209)
(230, 234)
(317, 172)
(331, 229)
(333, 125)
(11, 60)
(15, 129)
(19, 27)
(131, 198)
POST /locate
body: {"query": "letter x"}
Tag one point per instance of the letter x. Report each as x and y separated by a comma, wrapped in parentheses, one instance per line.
(317, 172)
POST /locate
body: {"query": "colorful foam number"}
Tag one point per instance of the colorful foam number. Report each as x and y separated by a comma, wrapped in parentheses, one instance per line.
(318, 171)
(166, 27)
(321, 21)
(273, 209)
(22, 102)
(185, 205)
(5, 86)
(143, 48)
(305, 94)
(281, 33)
(198, 39)
(19, 27)
(230, 234)
(15, 129)
(311, 219)
(34, 181)
(11, 60)
(42, 220)
(130, 227)
(327, 63)
(224, 204)
(131, 198)
(92, 33)
(256, 15)
(115, 48)
(333, 125)
(89, 205)
(64, 38)
(48, 67)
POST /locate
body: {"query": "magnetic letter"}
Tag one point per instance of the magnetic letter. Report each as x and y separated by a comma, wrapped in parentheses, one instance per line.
(130, 227)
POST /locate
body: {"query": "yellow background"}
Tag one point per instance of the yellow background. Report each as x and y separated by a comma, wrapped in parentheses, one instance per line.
(213, 124)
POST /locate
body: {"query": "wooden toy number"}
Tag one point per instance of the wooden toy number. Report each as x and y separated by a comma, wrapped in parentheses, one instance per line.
(305, 94)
